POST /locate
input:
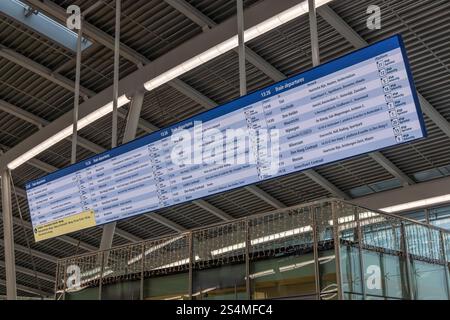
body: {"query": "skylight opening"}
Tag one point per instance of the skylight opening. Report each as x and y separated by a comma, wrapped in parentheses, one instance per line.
(42, 24)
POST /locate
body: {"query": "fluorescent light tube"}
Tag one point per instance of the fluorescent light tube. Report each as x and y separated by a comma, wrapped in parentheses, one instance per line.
(61, 135)
(249, 34)
(265, 239)
(417, 204)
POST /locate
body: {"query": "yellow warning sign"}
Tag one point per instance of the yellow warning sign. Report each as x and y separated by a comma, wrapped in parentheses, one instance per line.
(59, 227)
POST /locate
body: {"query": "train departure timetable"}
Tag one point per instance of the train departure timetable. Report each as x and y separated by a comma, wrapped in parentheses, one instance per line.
(359, 103)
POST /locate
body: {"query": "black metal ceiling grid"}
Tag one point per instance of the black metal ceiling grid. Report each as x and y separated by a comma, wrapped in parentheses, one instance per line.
(239, 203)
(143, 227)
(12, 130)
(31, 92)
(97, 70)
(294, 189)
(31, 44)
(30, 281)
(165, 106)
(91, 236)
(188, 215)
(151, 27)
(59, 154)
(354, 172)
(25, 173)
(24, 260)
(288, 47)
(99, 132)
(219, 10)
(219, 78)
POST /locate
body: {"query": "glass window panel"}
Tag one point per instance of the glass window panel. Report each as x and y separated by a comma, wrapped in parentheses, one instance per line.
(429, 281)
(168, 287)
(225, 282)
(440, 217)
(351, 272)
(283, 277)
(125, 290)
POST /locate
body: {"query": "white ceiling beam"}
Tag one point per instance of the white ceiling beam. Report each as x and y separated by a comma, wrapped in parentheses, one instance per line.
(192, 13)
(34, 253)
(26, 289)
(206, 23)
(419, 191)
(41, 70)
(40, 122)
(30, 272)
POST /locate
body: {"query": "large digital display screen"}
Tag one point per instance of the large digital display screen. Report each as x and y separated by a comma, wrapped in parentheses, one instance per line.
(359, 103)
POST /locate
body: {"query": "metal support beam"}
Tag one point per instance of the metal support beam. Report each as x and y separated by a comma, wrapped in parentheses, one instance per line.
(73, 157)
(26, 289)
(40, 123)
(434, 115)
(109, 229)
(206, 23)
(35, 253)
(266, 197)
(392, 168)
(334, 20)
(31, 273)
(8, 235)
(314, 34)
(211, 209)
(241, 48)
(22, 114)
(166, 222)
(116, 75)
(42, 71)
(129, 134)
(416, 192)
(317, 178)
(192, 13)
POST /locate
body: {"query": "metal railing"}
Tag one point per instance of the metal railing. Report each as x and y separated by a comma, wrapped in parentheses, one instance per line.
(296, 230)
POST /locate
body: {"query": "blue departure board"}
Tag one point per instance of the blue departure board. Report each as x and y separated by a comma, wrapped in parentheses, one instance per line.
(359, 103)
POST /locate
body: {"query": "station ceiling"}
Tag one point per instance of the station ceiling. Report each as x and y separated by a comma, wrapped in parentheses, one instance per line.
(34, 68)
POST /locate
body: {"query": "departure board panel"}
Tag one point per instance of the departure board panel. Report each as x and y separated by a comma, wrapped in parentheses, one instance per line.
(359, 103)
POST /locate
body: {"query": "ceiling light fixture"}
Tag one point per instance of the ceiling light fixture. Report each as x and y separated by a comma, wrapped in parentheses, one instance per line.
(61, 135)
(230, 44)
(417, 204)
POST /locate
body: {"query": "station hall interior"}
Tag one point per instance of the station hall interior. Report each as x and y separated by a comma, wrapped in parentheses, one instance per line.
(373, 225)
